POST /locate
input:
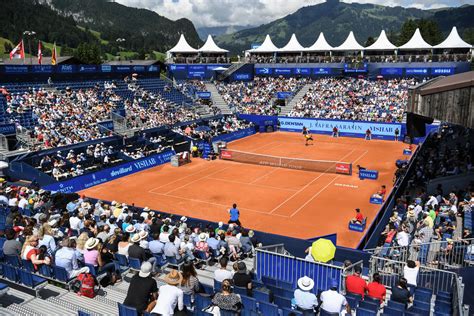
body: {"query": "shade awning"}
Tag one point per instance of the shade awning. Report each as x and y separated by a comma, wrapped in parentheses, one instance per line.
(453, 41)
(382, 43)
(350, 44)
(182, 47)
(416, 42)
(266, 47)
(211, 47)
(320, 45)
(292, 46)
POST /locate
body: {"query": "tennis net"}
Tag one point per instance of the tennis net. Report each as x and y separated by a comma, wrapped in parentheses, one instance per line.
(286, 162)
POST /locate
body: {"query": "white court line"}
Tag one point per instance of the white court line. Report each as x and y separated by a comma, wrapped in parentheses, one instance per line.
(218, 204)
(200, 179)
(179, 179)
(257, 185)
(306, 186)
(320, 191)
(266, 174)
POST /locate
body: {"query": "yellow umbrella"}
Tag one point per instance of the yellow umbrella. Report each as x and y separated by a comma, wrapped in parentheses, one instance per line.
(323, 250)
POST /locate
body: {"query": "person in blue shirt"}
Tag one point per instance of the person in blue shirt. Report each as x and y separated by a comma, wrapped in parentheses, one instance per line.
(234, 215)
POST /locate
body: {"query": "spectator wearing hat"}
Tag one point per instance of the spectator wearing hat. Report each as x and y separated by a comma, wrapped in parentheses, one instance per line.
(359, 218)
(355, 283)
(142, 291)
(202, 244)
(331, 300)
(135, 251)
(66, 257)
(170, 297)
(242, 278)
(375, 289)
(93, 256)
(304, 300)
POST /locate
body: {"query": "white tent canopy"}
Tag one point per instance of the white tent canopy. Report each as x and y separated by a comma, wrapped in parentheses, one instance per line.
(211, 47)
(350, 44)
(292, 46)
(453, 41)
(182, 47)
(382, 43)
(266, 47)
(320, 45)
(416, 42)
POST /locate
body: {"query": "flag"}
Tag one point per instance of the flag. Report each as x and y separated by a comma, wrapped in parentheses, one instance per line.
(18, 51)
(40, 53)
(54, 55)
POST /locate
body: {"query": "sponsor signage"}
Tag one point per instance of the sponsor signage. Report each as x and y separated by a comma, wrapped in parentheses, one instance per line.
(282, 71)
(7, 129)
(66, 68)
(106, 68)
(16, 69)
(225, 154)
(203, 94)
(322, 71)
(391, 71)
(355, 68)
(123, 68)
(376, 200)
(139, 68)
(153, 68)
(344, 168)
(263, 71)
(368, 174)
(87, 68)
(235, 135)
(284, 95)
(242, 76)
(416, 71)
(442, 71)
(407, 152)
(42, 68)
(212, 67)
(302, 71)
(196, 71)
(109, 174)
(356, 128)
(177, 67)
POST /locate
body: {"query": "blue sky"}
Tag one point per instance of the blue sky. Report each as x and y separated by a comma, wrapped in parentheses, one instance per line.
(256, 12)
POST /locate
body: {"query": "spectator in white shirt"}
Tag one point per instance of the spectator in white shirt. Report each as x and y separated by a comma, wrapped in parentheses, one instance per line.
(410, 272)
(332, 301)
(222, 273)
(170, 297)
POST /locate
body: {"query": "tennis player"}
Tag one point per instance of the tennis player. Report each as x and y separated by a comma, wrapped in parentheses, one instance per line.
(307, 135)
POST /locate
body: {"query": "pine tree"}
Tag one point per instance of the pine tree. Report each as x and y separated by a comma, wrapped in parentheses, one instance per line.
(370, 41)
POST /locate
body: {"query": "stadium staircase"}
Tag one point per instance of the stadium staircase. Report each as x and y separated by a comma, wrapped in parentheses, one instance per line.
(298, 96)
(217, 99)
(227, 73)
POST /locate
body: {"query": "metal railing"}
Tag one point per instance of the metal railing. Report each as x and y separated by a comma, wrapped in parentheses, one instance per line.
(348, 271)
(436, 254)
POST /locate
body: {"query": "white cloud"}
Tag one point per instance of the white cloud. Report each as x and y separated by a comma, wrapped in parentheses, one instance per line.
(256, 12)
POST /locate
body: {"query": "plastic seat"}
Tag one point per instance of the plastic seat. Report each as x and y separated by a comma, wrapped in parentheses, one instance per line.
(370, 299)
(121, 259)
(416, 311)
(268, 308)
(240, 290)
(45, 270)
(387, 310)
(61, 274)
(217, 286)
(368, 305)
(31, 280)
(261, 296)
(13, 260)
(27, 265)
(81, 313)
(10, 273)
(249, 303)
(92, 269)
(291, 312)
(125, 310)
(269, 281)
(365, 312)
(396, 305)
(282, 302)
(422, 305)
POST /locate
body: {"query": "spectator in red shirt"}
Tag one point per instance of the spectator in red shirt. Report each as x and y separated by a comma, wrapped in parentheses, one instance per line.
(335, 132)
(359, 218)
(375, 289)
(355, 284)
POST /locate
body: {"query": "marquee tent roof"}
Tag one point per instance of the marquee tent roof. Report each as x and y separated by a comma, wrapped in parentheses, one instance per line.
(382, 43)
(416, 42)
(350, 44)
(182, 47)
(320, 45)
(453, 41)
(292, 46)
(266, 47)
(211, 47)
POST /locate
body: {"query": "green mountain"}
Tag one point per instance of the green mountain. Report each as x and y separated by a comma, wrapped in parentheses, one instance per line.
(94, 22)
(336, 19)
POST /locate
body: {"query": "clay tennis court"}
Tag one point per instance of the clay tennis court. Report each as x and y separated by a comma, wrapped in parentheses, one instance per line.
(302, 204)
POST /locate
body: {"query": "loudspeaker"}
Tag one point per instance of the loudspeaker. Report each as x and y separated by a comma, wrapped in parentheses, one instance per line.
(416, 125)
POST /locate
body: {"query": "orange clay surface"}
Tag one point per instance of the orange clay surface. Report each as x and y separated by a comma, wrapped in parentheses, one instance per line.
(287, 202)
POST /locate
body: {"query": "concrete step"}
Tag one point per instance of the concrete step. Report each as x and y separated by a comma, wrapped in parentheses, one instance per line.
(23, 311)
(100, 304)
(49, 308)
(298, 96)
(70, 306)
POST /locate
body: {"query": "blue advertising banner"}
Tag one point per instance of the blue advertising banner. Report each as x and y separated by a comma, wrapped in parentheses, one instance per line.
(88, 68)
(302, 71)
(282, 71)
(391, 71)
(442, 71)
(177, 67)
(196, 71)
(355, 68)
(153, 68)
(109, 174)
(235, 135)
(107, 125)
(416, 71)
(106, 68)
(66, 69)
(284, 95)
(203, 94)
(322, 71)
(138, 68)
(16, 69)
(242, 76)
(263, 71)
(7, 129)
(123, 68)
(368, 174)
(42, 68)
(407, 152)
(212, 67)
(205, 148)
(375, 200)
(346, 128)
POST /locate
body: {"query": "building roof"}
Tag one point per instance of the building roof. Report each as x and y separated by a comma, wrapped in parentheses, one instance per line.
(459, 81)
(292, 46)
(350, 44)
(266, 47)
(416, 42)
(453, 41)
(320, 45)
(211, 47)
(382, 43)
(182, 46)
(132, 62)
